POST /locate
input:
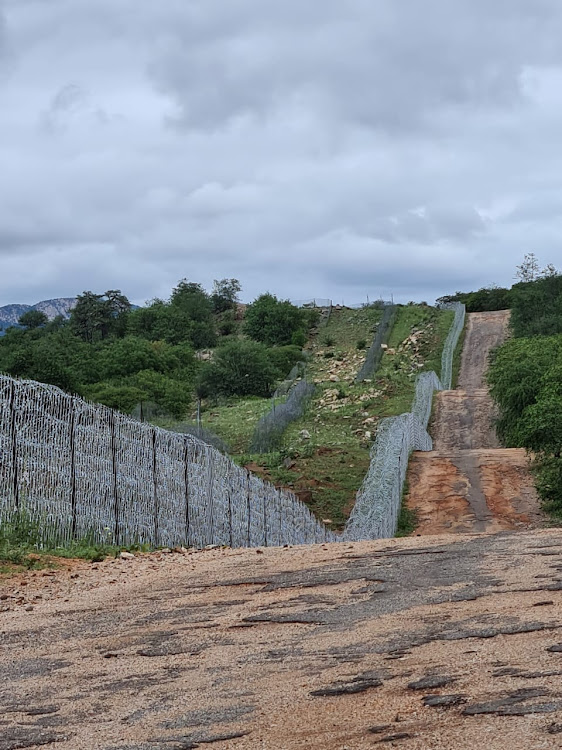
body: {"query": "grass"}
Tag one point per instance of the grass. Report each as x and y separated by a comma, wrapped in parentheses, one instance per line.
(327, 469)
(22, 548)
(457, 358)
(408, 517)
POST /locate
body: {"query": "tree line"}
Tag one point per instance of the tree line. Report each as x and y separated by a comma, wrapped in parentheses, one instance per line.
(494, 297)
(525, 378)
(113, 353)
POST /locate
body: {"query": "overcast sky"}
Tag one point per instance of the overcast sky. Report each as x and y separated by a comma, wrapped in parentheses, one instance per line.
(330, 149)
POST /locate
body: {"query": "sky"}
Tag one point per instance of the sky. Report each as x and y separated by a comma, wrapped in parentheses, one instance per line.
(342, 150)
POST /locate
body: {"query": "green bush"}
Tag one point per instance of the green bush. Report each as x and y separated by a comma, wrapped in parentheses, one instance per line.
(272, 321)
(284, 358)
(240, 368)
(361, 344)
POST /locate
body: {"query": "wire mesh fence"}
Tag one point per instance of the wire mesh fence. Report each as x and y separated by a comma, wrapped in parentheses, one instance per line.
(81, 470)
(376, 510)
(375, 352)
(269, 430)
(451, 343)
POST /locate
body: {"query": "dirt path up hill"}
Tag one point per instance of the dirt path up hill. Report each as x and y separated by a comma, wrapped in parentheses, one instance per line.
(469, 484)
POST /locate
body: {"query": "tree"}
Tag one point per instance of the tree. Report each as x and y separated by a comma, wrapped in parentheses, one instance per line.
(273, 322)
(529, 268)
(225, 294)
(97, 316)
(33, 319)
(239, 368)
(549, 270)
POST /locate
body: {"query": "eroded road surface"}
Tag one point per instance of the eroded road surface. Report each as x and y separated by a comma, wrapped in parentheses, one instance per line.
(420, 643)
(468, 483)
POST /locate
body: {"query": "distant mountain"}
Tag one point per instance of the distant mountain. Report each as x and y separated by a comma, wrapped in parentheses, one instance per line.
(10, 314)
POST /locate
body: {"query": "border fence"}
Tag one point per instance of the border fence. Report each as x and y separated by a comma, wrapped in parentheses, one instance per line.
(82, 470)
(374, 355)
(376, 510)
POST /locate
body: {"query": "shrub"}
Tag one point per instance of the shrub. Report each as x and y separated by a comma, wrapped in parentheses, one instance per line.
(361, 344)
(239, 368)
(328, 341)
(272, 321)
(284, 358)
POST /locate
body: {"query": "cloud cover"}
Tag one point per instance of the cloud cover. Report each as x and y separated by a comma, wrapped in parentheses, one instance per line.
(313, 149)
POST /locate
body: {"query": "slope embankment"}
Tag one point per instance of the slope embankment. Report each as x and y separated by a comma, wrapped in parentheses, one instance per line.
(468, 483)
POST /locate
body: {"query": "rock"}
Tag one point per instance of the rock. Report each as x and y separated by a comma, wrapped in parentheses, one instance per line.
(304, 435)
(430, 682)
(334, 379)
(126, 556)
(213, 546)
(29, 609)
(444, 701)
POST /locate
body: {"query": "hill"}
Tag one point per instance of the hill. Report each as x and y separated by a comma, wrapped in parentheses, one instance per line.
(52, 308)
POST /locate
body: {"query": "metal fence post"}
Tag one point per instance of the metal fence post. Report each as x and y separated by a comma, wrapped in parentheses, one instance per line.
(248, 499)
(186, 479)
(155, 487)
(116, 532)
(15, 473)
(73, 468)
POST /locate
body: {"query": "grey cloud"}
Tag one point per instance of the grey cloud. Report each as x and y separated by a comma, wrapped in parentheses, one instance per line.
(382, 64)
(330, 149)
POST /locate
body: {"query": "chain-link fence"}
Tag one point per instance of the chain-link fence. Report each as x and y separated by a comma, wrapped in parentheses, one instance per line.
(375, 515)
(374, 355)
(82, 470)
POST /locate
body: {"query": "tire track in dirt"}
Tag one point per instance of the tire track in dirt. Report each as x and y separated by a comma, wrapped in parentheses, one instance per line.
(468, 483)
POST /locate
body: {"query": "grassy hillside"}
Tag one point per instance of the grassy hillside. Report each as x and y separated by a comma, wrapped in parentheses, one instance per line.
(324, 456)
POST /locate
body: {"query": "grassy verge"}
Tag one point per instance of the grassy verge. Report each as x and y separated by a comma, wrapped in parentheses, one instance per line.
(457, 358)
(21, 547)
(408, 517)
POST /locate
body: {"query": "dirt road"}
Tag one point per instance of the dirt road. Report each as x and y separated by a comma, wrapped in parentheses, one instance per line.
(441, 643)
(469, 484)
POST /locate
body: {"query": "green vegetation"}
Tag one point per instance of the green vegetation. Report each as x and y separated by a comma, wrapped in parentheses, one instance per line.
(408, 517)
(275, 322)
(324, 456)
(22, 547)
(122, 357)
(526, 380)
(484, 300)
(239, 368)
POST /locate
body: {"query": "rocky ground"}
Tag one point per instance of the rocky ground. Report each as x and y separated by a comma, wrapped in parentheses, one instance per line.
(441, 642)
(425, 643)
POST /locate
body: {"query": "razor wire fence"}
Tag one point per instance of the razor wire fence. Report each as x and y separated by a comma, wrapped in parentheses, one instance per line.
(270, 428)
(374, 355)
(451, 342)
(81, 470)
(377, 507)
